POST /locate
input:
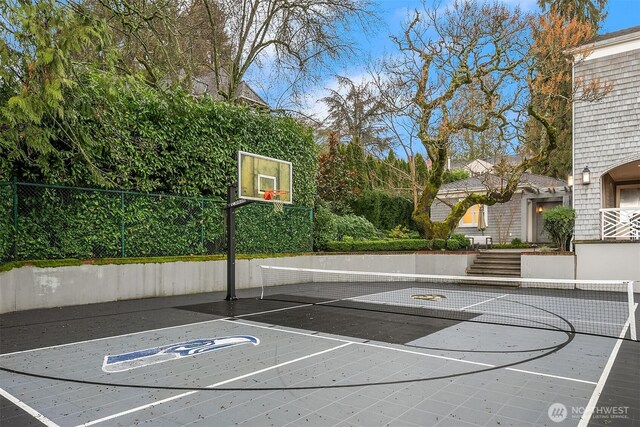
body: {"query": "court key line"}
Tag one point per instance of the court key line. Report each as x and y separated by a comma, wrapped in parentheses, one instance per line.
(28, 409)
(155, 330)
(588, 411)
(401, 350)
(159, 402)
(482, 302)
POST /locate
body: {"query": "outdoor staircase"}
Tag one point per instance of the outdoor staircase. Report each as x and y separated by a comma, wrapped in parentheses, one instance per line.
(495, 263)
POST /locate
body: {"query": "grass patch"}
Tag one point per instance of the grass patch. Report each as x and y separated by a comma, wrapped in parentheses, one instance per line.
(146, 260)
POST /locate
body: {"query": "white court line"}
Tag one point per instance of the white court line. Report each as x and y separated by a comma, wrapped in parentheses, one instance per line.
(482, 302)
(588, 411)
(150, 405)
(551, 376)
(153, 330)
(401, 350)
(28, 409)
(110, 337)
(266, 311)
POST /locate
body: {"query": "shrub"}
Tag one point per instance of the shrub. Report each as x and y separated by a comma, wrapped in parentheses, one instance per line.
(324, 227)
(453, 245)
(559, 223)
(439, 244)
(460, 239)
(399, 232)
(516, 241)
(355, 226)
(331, 227)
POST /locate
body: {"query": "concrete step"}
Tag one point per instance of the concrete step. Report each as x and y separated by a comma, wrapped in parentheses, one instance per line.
(501, 255)
(495, 273)
(490, 283)
(497, 261)
(490, 268)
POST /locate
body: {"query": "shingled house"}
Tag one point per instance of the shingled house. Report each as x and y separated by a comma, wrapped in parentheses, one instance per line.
(521, 217)
(206, 83)
(606, 160)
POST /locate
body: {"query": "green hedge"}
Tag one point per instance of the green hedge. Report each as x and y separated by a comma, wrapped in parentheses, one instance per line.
(261, 230)
(6, 220)
(379, 245)
(144, 140)
(63, 222)
(384, 211)
(454, 243)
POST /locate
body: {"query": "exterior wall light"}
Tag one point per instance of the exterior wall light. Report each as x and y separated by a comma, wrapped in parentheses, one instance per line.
(539, 209)
(586, 175)
(570, 180)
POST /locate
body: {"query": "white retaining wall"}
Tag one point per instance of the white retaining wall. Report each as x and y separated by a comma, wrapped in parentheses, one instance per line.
(609, 261)
(548, 266)
(33, 287)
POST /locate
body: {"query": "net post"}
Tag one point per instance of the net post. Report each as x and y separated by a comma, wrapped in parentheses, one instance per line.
(632, 312)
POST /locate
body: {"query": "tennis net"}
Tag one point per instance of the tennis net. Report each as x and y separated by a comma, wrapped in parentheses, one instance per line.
(594, 307)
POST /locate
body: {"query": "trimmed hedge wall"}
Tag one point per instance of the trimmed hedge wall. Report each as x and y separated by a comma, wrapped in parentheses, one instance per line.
(455, 243)
(141, 139)
(64, 222)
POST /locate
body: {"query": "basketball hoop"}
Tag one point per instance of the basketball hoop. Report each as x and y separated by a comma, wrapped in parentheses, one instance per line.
(274, 197)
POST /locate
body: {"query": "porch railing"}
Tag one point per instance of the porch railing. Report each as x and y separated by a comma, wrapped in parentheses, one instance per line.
(620, 223)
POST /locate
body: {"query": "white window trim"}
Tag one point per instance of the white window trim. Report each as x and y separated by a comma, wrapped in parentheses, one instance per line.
(475, 224)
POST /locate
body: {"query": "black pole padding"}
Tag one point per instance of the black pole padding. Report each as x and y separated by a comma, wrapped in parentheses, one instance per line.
(231, 243)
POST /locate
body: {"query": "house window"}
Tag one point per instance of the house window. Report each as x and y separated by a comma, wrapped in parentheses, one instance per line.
(470, 218)
(628, 199)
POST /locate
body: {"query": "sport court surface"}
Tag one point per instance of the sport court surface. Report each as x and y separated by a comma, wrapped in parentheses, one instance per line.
(308, 360)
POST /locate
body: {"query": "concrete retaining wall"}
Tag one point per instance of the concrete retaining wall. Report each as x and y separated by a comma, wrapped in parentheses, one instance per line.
(609, 261)
(444, 263)
(548, 266)
(33, 287)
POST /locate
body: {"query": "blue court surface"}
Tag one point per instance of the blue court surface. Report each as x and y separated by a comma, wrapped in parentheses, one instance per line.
(197, 360)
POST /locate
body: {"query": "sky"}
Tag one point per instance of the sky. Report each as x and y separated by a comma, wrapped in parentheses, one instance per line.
(392, 14)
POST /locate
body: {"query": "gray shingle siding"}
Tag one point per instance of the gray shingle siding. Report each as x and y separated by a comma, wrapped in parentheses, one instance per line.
(503, 220)
(605, 132)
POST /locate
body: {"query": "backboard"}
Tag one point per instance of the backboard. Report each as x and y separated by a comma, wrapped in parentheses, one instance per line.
(258, 175)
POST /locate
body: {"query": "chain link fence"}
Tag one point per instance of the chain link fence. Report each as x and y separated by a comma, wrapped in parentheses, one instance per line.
(53, 222)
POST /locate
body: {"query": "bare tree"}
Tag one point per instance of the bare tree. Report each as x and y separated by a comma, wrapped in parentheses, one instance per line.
(295, 35)
(486, 48)
(165, 40)
(399, 114)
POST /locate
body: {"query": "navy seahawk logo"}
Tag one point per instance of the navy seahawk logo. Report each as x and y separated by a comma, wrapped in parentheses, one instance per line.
(151, 356)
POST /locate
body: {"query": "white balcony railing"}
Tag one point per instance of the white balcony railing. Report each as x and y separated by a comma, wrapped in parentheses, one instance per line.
(620, 223)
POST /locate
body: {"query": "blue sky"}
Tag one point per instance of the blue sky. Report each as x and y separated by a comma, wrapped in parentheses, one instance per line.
(392, 13)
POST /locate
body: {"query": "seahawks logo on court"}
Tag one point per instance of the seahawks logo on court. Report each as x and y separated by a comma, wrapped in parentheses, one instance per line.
(151, 356)
(428, 297)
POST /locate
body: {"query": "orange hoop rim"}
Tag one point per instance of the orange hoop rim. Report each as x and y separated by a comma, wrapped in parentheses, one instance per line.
(270, 193)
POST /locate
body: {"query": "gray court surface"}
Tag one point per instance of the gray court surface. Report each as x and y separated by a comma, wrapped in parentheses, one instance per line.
(262, 374)
(517, 307)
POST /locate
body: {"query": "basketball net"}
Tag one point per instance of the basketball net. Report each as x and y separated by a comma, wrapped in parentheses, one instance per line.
(274, 197)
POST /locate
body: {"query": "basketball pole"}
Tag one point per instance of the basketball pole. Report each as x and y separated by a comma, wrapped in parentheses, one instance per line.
(232, 204)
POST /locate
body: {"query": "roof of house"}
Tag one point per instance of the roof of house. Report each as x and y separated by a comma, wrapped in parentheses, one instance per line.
(511, 159)
(481, 182)
(614, 34)
(206, 83)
